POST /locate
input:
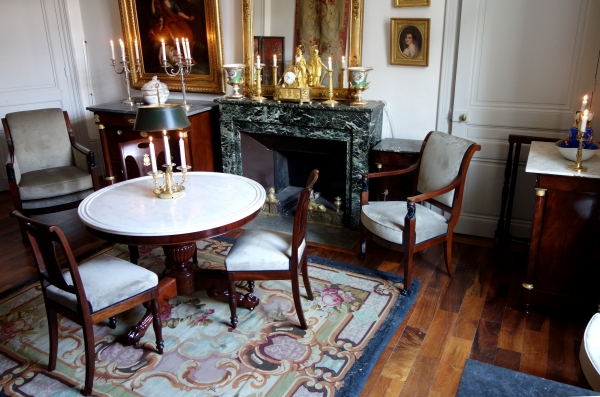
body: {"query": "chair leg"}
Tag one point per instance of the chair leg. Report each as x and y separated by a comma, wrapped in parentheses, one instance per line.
(90, 357)
(251, 286)
(195, 257)
(233, 302)
(53, 331)
(304, 269)
(408, 263)
(363, 242)
(297, 301)
(112, 322)
(448, 254)
(157, 324)
(134, 254)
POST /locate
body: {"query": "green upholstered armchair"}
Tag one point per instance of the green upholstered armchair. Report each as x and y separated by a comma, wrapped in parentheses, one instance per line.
(48, 171)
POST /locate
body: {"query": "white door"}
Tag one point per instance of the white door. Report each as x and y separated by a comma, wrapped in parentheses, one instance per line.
(37, 69)
(523, 67)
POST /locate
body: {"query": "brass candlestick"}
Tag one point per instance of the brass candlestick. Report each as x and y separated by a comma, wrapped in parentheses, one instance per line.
(274, 77)
(342, 75)
(258, 97)
(330, 102)
(170, 189)
(578, 167)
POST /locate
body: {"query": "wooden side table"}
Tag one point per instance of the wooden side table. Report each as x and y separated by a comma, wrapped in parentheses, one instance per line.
(115, 125)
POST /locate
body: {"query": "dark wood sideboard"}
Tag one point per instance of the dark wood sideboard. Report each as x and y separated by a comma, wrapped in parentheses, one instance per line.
(389, 155)
(203, 147)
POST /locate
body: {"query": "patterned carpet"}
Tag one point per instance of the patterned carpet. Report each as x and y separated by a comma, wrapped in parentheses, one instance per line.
(354, 314)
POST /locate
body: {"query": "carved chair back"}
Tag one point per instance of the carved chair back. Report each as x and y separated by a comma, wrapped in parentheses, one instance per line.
(301, 218)
(139, 151)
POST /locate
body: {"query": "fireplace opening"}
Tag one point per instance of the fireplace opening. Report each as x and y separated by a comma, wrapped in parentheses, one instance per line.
(284, 163)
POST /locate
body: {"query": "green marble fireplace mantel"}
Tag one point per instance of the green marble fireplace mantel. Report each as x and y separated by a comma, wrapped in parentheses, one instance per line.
(358, 127)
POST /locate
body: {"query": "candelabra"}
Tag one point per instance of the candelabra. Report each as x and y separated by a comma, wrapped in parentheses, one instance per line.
(258, 97)
(330, 102)
(578, 166)
(342, 75)
(170, 189)
(274, 77)
(184, 67)
(127, 71)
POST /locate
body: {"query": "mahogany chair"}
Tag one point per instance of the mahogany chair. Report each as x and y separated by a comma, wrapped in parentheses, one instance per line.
(139, 151)
(88, 293)
(271, 255)
(48, 171)
(441, 174)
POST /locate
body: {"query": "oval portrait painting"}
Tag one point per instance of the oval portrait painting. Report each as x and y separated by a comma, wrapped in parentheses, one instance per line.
(410, 41)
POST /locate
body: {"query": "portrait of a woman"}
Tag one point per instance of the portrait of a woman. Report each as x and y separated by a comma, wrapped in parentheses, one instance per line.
(410, 41)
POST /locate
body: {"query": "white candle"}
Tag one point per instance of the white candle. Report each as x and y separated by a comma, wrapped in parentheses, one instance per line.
(182, 150)
(329, 62)
(122, 49)
(152, 156)
(167, 148)
(137, 54)
(183, 48)
(343, 61)
(112, 49)
(177, 44)
(584, 103)
(584, 118)
(258, 62)
(274, 59)
(187, 47)
(164, 51)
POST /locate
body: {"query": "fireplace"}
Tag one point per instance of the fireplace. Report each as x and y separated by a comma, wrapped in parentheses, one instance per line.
(279, 144)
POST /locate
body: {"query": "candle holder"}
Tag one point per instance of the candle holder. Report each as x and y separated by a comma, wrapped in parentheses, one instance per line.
(235, 77)
(358, 83)
(258, 97)
(330, 102)
(184, 67)
(342, 77)
(170, 189)
(125, 69)
(274, 77)
(578, 166)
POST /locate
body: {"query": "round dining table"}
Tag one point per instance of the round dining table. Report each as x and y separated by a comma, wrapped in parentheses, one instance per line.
(212, 204)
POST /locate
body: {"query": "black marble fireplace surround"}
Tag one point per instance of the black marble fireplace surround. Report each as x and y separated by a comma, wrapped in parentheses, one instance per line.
(303, 137)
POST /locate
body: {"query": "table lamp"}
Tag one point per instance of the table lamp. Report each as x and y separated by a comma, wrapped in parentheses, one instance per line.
(164, 117)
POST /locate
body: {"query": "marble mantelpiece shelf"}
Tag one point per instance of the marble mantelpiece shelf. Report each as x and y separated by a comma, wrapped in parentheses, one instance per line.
(358, 127)
(396, 145)
(544, 158)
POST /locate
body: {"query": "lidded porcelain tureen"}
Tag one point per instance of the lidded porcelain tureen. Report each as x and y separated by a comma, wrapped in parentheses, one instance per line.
(149, 91)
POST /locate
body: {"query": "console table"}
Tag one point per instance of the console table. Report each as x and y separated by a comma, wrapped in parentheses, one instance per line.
(357, 129)
(115, 122)
(563, 267)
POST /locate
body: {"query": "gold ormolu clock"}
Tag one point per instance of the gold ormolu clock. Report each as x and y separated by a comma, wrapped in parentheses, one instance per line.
(289, 88)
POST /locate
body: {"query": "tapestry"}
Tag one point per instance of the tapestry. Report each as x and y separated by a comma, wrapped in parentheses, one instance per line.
(354, 313)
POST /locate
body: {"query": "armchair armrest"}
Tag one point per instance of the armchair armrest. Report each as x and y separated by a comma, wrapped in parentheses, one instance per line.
(413, 167)
(90, 159)
(424, 196)
(13, 172)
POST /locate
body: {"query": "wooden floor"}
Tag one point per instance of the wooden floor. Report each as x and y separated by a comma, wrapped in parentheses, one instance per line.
(475, 314)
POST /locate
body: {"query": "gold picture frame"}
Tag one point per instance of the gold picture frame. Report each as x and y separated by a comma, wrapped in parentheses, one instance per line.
(199, 21)
(412, 3)
(409, 41)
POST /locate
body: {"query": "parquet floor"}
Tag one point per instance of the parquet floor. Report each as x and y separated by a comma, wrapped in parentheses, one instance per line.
(475, 314)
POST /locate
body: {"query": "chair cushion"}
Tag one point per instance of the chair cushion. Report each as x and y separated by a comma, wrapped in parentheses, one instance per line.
(107, 281)
(589, 353)
(261, 250)
(53, 201)
(386, 220)
(52, 182)
(442, 157)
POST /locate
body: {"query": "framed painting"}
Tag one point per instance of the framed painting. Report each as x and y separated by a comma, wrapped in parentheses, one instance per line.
(198, 21)
(412, 3)
(268, 47)
(409, 41)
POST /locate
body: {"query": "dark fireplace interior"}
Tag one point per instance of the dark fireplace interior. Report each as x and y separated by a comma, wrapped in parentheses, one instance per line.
(282, 162)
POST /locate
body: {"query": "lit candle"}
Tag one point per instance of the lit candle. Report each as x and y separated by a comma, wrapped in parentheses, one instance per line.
(183, 48)
(329, 62)
(187, 46)
(152, 156)
(164, 51)
(343, 61)
(122, 49)
(182, 150)
(584, 103)
(167, 148)
(274, 59)
(137, 54)
(258, 62)
(177, 44)
(112, 49)
(584, 118)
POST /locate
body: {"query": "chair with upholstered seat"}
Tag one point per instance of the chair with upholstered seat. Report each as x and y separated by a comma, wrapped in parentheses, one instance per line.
(48, 171)
(89, 293)
(441, 174)
(271, 255)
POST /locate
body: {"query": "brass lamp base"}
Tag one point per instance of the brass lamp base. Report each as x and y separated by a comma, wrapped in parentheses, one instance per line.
(576, 168)
(170, 189)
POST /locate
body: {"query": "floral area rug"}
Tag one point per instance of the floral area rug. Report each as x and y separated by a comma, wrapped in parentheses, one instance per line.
(353, 315)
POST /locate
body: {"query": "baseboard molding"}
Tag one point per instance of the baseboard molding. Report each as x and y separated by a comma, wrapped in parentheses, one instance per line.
(482, 226)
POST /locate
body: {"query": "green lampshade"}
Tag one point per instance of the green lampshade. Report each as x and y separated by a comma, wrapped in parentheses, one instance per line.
(169, 116)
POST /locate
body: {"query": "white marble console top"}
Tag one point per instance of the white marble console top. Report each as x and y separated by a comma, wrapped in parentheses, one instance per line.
(210, 200)
(544, 158)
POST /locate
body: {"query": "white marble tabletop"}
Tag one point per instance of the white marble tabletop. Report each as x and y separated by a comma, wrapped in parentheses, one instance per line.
(210, 200)
(544, 158)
